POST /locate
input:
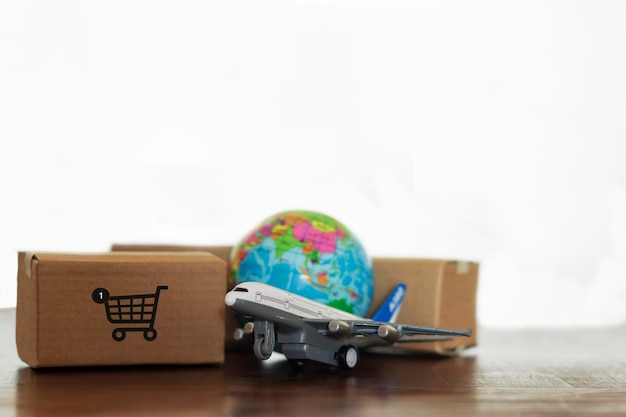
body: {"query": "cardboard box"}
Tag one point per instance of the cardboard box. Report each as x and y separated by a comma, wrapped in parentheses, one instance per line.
(122, 308)
(440, 293)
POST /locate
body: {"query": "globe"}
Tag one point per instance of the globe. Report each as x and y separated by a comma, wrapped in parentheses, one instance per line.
(309, 254)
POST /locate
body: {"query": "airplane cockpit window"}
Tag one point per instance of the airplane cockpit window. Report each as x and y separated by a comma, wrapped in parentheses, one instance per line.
(239, 289)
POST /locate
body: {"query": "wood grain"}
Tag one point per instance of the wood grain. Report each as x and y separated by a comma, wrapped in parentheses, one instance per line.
(528, 372)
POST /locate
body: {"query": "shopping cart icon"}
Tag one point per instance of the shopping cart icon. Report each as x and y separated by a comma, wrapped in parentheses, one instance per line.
(136, 313)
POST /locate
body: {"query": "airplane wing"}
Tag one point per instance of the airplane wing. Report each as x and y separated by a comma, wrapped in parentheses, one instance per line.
(390, 332)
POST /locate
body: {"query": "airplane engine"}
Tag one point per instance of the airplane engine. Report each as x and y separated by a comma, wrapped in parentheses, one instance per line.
(388, 333)
(340, 328)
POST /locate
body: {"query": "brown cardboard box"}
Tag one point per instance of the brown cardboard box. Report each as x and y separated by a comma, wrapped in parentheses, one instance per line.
(440, 293)
(69, 308)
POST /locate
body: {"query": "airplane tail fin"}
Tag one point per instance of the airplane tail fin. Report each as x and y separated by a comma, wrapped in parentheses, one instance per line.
(388, 311)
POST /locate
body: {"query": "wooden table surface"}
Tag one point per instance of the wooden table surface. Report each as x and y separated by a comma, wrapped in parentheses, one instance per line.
(528, 372)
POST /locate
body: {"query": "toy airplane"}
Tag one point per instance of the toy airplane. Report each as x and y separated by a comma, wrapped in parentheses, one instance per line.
(309, 331)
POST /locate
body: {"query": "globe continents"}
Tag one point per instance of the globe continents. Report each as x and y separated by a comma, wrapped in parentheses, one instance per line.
(309, 254)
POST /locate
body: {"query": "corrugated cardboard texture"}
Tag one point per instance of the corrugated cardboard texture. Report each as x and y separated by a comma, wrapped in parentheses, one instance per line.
(440, 293)
(60, 324)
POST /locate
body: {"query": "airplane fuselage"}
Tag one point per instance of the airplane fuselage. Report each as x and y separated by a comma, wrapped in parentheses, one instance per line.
(282, 317)
(262, 294)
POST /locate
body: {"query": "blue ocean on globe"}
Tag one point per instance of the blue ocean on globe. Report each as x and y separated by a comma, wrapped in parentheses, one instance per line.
(309, 254)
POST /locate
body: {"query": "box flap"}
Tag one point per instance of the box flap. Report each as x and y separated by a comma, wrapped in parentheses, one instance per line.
(222, 252)
(118, 257)
(28, 261)
(26, 317)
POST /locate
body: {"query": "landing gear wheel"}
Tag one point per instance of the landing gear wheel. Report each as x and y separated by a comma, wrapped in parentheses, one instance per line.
(262, 350)
(264, 342)
(348, 357)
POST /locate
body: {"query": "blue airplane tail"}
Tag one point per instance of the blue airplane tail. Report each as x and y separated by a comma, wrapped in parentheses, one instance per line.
(388, 311)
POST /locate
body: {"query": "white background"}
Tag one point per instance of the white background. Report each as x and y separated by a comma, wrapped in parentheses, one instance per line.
(488, 131)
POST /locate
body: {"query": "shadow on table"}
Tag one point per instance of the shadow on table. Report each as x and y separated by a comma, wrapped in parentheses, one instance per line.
(381, 384)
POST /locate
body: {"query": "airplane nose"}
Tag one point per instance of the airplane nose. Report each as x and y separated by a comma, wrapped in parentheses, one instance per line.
(230, 299)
